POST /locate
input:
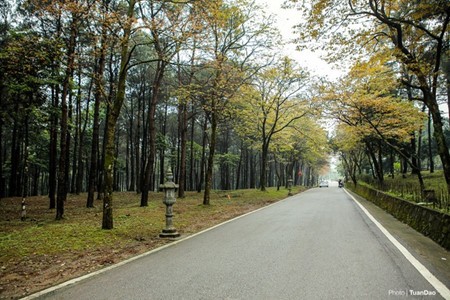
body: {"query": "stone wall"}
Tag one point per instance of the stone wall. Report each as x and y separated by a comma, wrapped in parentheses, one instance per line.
(429, 222)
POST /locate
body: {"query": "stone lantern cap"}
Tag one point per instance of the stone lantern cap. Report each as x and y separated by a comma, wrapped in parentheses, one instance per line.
(169, 185)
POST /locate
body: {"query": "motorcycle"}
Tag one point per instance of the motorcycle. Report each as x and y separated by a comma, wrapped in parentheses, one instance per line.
(341, 184)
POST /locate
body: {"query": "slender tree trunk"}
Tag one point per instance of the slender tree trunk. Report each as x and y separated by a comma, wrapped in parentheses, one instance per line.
(252, 170)
(14, 183)
(26, 171)
(131, 172)
(239, 167)
(430, 145)
(2, 179)
(143, 162)
(377, 164)
(98, 79)
(116, 175)
(137, 162)
(81, 152)
(441, 143)
(210, 165)
(2, 158)
(183, 128)
(149, 168)
(53, 150)
(162, 152)
(391, 164)
(77, 128)
(263, 171)
(191, 159)
(203, 159)
(107, 221)
(63, 162)
(246, 172)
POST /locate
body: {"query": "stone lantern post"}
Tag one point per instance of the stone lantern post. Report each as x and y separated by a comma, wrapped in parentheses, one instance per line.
(289, 184)
(169, 200)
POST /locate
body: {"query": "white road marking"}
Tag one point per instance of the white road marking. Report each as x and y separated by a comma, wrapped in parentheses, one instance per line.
(436, 283)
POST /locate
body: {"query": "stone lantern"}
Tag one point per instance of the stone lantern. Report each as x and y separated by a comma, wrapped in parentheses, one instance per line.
(169, 189)
(289, 184)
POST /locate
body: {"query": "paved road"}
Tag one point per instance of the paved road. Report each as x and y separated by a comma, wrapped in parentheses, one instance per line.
(316, 245)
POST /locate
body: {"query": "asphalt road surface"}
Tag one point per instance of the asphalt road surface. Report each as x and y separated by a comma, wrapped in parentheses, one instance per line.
(315, 245)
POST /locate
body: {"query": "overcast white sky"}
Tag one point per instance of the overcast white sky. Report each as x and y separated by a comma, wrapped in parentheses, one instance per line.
(286, 20)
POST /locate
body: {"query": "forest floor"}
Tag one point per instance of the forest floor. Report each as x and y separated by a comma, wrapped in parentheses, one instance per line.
(41, 252)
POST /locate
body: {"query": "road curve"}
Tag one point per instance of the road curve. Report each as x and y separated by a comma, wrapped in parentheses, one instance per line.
(315, 245)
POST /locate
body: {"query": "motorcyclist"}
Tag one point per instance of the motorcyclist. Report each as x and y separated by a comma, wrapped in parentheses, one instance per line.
(341, 184)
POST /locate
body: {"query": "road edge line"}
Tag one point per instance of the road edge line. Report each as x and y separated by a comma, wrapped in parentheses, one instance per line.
(175, 242)
(441, 288)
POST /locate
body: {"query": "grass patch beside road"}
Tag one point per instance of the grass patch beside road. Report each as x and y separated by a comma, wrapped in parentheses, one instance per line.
(41, 252)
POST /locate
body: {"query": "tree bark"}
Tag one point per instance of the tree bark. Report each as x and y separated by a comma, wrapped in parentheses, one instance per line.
(183, 128)
(263, 171)
(149, 169)
(114, 112)
(377, 164)
(15, 158)
(430, 145)
(210, 165)
(203, 159)
(53, 151)
(64, 151)
(98, 78)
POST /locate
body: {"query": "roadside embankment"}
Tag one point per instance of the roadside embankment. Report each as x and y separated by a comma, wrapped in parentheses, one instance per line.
(427, 221)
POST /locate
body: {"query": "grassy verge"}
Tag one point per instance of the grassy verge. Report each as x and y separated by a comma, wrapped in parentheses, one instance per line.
(40, 252)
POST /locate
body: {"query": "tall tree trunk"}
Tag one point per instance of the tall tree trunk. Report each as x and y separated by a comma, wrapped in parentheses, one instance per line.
(14, 183)
(377, 164)
(183, 128)
(441, 143)
(210, 165)
(263, 171)
(131, 172)
(63, 163)
(430, 145)
(149, 169)
(2, 179)
(252, 169)
(203, 159)
(162, 152)
(98, 79)
(137, 148)
(2, 158)
(116, 154)
(77, 144)
(25, 168)
(145, 130)
(191, 159)
(53, 149)
(246, 170)
(81, 153)
(239, 167)
(114, 112)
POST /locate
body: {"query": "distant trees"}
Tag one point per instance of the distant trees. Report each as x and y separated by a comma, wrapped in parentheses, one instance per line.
(274, 105)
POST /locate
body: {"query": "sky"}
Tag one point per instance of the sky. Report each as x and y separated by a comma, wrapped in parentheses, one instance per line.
(286, 19)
